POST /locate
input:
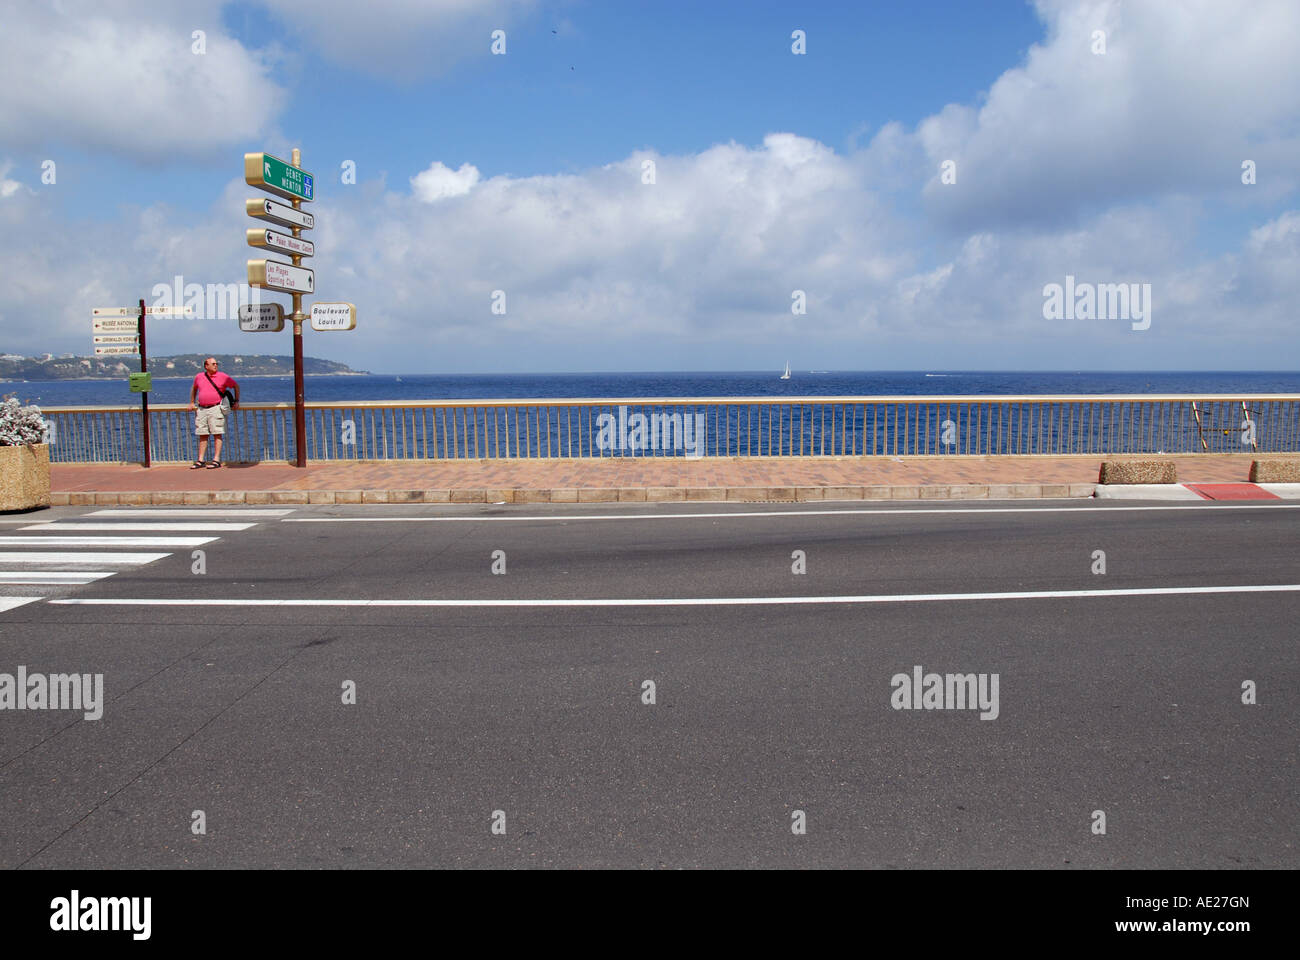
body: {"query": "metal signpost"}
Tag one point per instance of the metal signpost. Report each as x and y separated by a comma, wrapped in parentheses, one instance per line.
(290, 182)
(119, 331)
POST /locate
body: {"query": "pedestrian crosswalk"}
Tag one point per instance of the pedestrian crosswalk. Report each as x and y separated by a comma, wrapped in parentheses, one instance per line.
(94, 546)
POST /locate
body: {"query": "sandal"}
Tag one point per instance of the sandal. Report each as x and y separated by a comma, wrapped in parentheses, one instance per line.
(213, 464)
(197, 465)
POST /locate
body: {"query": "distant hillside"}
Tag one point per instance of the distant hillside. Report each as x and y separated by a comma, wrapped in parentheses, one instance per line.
(68, 367)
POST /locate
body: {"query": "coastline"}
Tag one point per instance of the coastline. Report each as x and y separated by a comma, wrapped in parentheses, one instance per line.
(246, 376)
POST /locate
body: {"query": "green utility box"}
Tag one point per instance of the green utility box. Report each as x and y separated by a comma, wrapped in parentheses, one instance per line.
(141, 382)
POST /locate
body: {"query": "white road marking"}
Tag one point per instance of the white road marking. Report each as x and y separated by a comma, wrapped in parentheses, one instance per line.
(95, 559)
(42, 541)
(8, 603)
(52, 576)
(691, 601)
(1145, 491)
(194, 512)
(175, 526)
(29, 520)
(1288, 491)
(781, 513)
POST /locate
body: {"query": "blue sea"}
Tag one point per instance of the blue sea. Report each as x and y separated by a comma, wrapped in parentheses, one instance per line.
(767, 383)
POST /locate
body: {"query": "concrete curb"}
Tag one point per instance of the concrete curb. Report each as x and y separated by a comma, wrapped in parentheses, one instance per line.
(971, 491)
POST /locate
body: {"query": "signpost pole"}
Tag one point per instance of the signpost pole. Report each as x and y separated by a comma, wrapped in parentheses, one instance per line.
(144, 396)
(299, 399)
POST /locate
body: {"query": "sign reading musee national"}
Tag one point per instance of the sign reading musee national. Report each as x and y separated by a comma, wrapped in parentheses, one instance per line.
(294, 246)
(278, 213)
(115, 325)
(274, 175)
(333, 316)
(285, 277)
(261, 317)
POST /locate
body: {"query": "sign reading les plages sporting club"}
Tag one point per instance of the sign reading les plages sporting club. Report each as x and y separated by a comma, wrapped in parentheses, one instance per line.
(284, 277)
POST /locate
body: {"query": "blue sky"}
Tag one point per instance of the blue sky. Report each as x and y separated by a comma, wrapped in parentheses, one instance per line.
(776, 174)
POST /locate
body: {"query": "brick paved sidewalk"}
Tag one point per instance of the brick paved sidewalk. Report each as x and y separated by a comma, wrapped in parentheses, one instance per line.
(568, 481)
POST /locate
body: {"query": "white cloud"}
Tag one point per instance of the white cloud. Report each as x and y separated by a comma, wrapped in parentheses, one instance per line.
(440, 181)
(122, 77)
(7, 187)
(1184, 93)
(1059, 172)
(401, 39)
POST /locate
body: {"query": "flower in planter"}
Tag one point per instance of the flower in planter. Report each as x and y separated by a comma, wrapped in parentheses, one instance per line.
(19, 425)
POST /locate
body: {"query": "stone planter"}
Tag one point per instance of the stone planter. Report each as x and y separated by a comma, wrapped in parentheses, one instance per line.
(24, 477)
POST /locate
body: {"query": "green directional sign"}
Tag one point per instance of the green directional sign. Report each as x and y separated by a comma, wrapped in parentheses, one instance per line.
(275, 176)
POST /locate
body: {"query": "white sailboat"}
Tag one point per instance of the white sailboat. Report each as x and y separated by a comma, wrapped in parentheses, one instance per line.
(786, 375)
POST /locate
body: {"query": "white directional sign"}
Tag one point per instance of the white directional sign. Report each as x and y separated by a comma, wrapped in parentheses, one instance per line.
(115, 325)
(293, 246)
(333, 316)
(117, 339)
(114, 350)
(285, 216)
(285, 277)
(106, 313)
(259, 317)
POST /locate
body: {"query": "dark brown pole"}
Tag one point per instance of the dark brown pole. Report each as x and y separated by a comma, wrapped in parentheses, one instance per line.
(299, 409)
(299, 394)
(144, 396)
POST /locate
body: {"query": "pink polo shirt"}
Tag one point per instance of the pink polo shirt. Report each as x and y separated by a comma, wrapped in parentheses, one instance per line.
(206, 396)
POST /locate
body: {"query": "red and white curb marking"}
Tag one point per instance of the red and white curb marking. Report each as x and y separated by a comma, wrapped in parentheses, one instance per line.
(1199, 491)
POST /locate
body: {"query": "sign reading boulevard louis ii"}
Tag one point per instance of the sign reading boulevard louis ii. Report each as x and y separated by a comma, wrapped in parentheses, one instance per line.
(275, 176)
(293, 246)
(333, 316)
(284, 277)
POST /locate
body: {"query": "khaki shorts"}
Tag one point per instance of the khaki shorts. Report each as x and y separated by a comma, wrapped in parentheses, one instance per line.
(209, 420)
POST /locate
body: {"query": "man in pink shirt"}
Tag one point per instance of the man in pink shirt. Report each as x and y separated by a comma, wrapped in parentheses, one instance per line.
(209, 388)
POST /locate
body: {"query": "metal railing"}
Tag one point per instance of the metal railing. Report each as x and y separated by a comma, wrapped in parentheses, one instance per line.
(703, 427)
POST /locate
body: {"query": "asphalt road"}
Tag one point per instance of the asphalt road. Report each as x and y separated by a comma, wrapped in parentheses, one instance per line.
(472, 699)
